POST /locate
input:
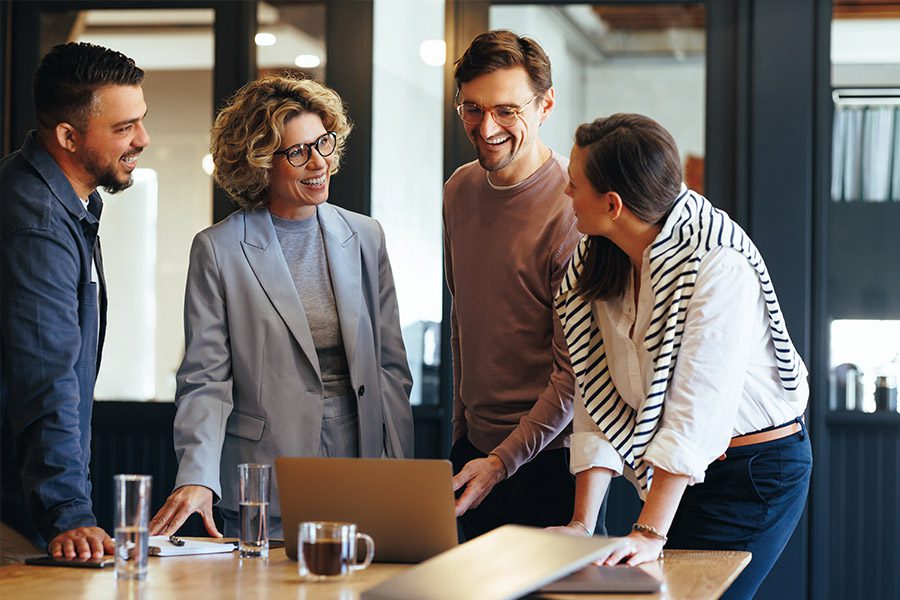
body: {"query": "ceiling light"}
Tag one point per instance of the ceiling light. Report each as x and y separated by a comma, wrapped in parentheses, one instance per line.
(307, 61)
(433, 52)
(265, 39)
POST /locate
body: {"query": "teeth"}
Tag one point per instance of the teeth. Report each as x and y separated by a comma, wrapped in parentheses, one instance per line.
(316, 181)
(496, 141)
(130, 159)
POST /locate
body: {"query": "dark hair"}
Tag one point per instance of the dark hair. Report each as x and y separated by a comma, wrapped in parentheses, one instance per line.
(502, 49)
(68, 77)
(637, 158)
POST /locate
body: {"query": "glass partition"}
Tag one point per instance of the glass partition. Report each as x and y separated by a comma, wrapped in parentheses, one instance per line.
(863, 301)
(291, 38)
(407, 145)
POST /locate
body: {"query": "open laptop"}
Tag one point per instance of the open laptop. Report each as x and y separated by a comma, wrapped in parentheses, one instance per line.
(508, 562)
(407, 506)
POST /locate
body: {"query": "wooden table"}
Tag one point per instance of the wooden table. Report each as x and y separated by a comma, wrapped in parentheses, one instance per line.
(688, 575)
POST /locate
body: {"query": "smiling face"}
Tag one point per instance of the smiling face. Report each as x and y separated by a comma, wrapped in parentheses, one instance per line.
(511, 153)
(294, 192)
(113, 137)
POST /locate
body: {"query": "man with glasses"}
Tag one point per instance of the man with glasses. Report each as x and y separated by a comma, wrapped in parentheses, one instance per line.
(90, 108)
(509, 231)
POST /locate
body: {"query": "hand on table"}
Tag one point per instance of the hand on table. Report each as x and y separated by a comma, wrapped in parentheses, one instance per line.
(635, 549)
(83, 542)
(182, 503)
(478, 476)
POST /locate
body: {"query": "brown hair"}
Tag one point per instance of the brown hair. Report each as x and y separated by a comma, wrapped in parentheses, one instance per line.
(503, 49)
(637, 158)
(250, 128)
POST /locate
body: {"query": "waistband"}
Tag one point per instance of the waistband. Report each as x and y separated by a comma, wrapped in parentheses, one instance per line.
(769, 434)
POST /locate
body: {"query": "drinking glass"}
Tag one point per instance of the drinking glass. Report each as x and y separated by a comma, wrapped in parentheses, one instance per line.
(254, 509)
(131, 519)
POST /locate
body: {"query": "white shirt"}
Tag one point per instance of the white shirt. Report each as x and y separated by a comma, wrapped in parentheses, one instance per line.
(725, 383)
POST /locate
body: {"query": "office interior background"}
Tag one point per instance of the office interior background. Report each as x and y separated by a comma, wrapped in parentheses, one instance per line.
(786, 112)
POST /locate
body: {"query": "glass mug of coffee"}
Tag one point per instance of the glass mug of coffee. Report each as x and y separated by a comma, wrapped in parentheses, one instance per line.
(327, 549)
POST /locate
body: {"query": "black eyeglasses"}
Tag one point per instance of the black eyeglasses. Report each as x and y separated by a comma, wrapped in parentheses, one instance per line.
(299, 154)
(504, 116)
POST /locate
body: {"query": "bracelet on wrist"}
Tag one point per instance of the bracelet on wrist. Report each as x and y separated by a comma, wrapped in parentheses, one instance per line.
(580, 525)
(650, 531)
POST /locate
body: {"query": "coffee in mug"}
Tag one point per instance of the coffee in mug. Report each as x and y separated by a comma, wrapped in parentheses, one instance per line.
(327, 549)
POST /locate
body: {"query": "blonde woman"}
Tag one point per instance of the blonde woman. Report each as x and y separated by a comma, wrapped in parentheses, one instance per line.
(292, 336)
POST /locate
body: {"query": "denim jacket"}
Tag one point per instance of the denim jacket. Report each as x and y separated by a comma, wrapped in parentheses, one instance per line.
(52, 323)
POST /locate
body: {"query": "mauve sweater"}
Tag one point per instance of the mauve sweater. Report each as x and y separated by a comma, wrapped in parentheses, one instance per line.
(505, 253)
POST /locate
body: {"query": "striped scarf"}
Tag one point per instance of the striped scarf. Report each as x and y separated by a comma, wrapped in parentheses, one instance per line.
(693, 228)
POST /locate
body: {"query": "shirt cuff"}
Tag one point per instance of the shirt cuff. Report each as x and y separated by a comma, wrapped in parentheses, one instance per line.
(678, 455)
(67, 518)
(588, 450)
(509, 460)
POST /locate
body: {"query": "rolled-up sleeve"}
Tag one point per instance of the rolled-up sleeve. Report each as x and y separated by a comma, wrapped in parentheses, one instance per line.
(706, 387)
(588, 446)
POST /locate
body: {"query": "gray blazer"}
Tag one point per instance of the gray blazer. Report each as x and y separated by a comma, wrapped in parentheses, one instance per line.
(249, 387)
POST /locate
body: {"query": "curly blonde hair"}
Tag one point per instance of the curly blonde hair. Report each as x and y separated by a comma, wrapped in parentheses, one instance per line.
(250, 127)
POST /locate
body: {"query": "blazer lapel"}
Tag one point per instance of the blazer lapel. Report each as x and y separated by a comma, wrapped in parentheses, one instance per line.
(268, 263)
(342, 250)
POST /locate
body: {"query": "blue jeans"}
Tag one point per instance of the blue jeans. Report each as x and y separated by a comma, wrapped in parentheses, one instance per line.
(750, 501)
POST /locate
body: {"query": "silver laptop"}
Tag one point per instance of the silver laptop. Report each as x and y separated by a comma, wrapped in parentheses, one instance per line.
(506, 563)
(407, 506)
(611, 579)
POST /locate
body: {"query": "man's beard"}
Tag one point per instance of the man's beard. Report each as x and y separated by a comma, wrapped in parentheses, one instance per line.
(497, 165)
(105, 176)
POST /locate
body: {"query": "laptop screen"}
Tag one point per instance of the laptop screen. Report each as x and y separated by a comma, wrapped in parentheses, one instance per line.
(407, 506)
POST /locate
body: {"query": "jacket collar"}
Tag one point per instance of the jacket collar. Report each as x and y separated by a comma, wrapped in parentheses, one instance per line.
(38, 157)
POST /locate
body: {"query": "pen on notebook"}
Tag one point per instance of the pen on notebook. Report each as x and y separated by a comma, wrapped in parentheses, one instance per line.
(176, 541)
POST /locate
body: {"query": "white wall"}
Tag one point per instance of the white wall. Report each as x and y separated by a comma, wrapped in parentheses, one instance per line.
(670, 92)
(128, 238)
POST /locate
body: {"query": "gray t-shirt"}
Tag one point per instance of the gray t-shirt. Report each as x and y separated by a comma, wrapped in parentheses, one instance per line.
(304, 249)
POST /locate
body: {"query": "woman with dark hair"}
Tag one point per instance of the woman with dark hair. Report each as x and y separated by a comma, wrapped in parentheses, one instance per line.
(292, 334)
(689, 384)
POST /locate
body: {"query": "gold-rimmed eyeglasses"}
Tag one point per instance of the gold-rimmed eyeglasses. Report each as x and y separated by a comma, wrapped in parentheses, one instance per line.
(504, 116)
(299, 154)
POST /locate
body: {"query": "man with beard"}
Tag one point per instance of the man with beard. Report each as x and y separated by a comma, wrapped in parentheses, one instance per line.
(90, 108)
(509, 231)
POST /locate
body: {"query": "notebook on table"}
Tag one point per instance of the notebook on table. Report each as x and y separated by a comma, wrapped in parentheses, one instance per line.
(407, 506)
(506, 563)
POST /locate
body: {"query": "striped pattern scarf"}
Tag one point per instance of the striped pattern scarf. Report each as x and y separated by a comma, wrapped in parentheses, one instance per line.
(693, 228)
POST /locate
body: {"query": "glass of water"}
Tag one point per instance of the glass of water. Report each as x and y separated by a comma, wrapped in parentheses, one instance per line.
(254, 509)
(131, 518)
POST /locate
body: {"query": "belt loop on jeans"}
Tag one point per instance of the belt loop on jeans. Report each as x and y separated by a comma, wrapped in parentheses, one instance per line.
(766, 435)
